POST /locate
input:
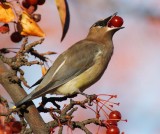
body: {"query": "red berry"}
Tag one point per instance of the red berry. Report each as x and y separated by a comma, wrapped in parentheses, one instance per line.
(41, 2)
(32, 2)
(25, 4)
(111, 122)
(2, 1)
(32, 9)
(116, 21)
(113, 130)
(16, 37)
(115, 115)
(15, 126)
(36, 17)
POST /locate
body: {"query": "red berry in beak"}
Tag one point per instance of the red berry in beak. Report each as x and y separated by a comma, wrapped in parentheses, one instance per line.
(116, 21)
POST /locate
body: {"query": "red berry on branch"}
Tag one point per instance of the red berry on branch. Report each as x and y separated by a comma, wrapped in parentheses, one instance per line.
(115, 115)
(36, 17)
(32, 2)
(111, 122)
(15, 126)
(41, 2)
(116, 21)
(32, 9)
(113, 130)
(16, 37)
(25, 4)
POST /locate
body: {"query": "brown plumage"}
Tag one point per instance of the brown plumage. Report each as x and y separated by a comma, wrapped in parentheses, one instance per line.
(80, 66)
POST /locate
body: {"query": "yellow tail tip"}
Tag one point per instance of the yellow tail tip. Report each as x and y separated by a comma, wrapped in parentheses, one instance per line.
(14, 107)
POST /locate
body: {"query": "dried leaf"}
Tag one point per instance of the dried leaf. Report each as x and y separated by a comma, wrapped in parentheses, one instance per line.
(44, 70)
(27, 26)
(63, 10)
(6, 13)
(4, 29)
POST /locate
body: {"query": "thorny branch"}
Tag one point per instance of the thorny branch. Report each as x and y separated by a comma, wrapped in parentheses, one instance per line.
(21, 59)
(66, 115)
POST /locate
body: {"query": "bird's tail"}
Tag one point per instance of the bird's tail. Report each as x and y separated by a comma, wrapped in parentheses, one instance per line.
(24, 100)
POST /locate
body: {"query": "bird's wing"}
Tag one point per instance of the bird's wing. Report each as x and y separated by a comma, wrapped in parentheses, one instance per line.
(68, 65)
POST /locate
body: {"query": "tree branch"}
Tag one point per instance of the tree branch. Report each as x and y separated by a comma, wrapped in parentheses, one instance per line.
(33, 117)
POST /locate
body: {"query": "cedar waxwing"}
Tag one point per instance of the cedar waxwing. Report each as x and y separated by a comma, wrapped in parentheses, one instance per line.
(80, 66)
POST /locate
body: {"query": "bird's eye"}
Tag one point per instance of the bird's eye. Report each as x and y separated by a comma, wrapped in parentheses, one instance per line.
(99, 23)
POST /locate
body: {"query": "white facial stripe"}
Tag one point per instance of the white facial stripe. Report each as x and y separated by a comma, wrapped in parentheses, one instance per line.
(58, 68)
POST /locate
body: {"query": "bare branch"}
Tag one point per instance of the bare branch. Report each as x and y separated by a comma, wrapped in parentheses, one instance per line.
(60, 130)
(17, 93)
(30, 46)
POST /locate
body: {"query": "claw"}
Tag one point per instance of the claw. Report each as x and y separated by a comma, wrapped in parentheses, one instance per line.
(89, 98)
(90, 103)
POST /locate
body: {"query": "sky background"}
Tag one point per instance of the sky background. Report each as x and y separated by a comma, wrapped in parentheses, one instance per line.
(133, 72)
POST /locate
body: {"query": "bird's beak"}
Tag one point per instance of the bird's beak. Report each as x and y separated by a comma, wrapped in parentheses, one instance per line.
(105, 22)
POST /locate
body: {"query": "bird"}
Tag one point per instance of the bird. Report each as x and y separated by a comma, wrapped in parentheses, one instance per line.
(80, 66)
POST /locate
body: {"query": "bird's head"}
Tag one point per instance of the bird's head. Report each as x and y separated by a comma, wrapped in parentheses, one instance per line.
(105, 29)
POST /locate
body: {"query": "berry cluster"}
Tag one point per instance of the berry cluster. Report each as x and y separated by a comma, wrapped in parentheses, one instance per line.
(114, 118)
(27, 3)
(30, 6)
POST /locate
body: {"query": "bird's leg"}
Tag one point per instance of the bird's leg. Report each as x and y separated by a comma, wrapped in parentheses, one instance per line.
(89, 97)
(72, 96)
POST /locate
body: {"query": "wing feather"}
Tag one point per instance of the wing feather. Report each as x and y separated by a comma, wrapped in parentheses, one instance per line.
(68, 65)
